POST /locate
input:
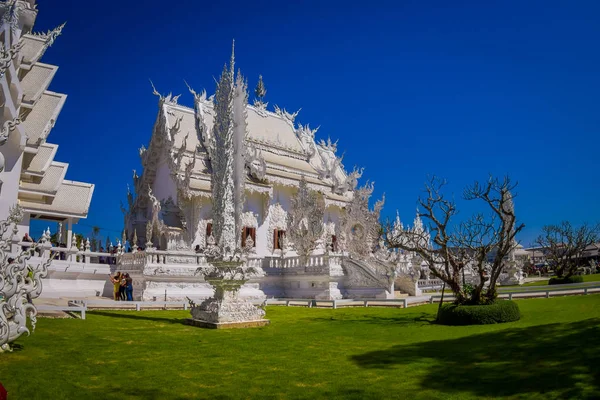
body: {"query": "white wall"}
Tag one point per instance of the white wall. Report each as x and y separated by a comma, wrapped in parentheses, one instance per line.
(163, 185)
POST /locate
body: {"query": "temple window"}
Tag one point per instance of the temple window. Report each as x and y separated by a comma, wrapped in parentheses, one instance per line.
(208, 231)
(248, 232)
(333, 243)
(278, 235)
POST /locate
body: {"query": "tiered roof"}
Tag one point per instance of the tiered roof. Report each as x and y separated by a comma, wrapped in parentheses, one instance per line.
(277, 140)
(43, 190)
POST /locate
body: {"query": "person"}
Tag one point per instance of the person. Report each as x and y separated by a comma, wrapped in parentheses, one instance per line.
(129, 287)
(26, 239)
(116, 281)
(101, 259)
(123, 287)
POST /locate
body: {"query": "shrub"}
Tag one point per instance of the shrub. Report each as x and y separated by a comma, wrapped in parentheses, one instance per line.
(561, 281)
(495, 313)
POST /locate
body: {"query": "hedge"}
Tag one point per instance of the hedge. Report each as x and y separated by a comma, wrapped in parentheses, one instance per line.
(561, 281)
(500, 311)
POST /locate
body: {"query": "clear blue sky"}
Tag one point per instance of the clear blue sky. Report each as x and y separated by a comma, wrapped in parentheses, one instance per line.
(409, 88)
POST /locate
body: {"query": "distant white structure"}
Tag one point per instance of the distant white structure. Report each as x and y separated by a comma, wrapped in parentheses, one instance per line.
(29, 175)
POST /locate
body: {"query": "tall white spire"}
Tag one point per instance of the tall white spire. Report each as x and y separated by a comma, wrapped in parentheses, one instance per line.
(232, 61)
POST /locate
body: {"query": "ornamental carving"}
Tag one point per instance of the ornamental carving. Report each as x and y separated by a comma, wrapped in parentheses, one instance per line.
(7, 128)
(255, 162)
(359, 226)
(249, 220)
(305, 219)
(19, 280)
(6, 57)
(289, 117)
(359, 278)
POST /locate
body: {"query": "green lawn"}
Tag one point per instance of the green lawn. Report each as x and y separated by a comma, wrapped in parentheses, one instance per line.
(354, 353)
(586, 278)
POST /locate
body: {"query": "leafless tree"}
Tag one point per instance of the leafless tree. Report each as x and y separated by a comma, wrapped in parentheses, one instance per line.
(563, 245)
(305, 219)
(468, 244)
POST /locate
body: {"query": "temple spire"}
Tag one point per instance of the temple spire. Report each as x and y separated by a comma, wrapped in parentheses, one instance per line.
(232, 62)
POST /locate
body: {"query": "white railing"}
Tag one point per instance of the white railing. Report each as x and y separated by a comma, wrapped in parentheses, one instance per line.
(558, 290)
(132, 261)
(319, 263)
(254, 261)
(429, 283)
(72, 255)
(174, 257)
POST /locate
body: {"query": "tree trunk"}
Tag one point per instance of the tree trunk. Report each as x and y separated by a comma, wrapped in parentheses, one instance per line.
(441, 301)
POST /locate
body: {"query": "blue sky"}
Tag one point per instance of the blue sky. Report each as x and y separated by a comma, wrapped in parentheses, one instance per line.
(410, 88)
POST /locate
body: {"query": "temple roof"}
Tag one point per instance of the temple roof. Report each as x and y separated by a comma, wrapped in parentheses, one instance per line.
(40, 120)
(300, 166)
(276, 138)
(71, 199)
(36, 81)
(41, 160)
(271, 129)
(51, 180)
(33, 48)
(266, 128)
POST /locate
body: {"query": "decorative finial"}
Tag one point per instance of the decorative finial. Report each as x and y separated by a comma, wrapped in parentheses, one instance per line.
(53, 34)
(154, 91)
(260, 90)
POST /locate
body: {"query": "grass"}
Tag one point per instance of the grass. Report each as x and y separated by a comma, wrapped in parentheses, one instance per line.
(586, 278)
(353, 353)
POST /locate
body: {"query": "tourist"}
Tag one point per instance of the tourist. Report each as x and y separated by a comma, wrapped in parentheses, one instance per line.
(27, 239)
(129, 288)
(116, 281)
(122, 287)
(101, 259)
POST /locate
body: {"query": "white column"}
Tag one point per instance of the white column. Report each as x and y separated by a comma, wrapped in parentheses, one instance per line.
(69, 232)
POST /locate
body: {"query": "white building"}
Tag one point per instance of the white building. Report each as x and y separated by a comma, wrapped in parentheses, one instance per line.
(170, 211)
(29, 175)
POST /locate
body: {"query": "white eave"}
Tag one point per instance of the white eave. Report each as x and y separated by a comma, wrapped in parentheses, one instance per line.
(36, 81)
(72, 199)
(50, 182)
(33, 48)
(42, 159)
(42, 117)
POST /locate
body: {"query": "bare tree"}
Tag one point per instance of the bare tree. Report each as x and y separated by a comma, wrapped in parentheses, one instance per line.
(305, 219)
(563, 245)
(452, 249)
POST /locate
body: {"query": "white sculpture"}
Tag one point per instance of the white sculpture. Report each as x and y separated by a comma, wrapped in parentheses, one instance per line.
(305, 219)
(19, 283)
(228, 271)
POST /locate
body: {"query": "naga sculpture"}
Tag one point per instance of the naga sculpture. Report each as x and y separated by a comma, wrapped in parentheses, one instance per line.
(20, 282)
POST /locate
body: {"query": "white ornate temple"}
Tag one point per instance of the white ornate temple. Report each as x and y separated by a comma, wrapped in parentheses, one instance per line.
(29, 175)
(170, 212)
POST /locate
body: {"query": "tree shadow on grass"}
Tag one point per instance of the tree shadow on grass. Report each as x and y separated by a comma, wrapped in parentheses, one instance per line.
(560, 358)
(139, 315)
(417, 319)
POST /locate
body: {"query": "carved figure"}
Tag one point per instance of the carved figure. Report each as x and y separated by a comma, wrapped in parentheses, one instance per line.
(20, 281)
